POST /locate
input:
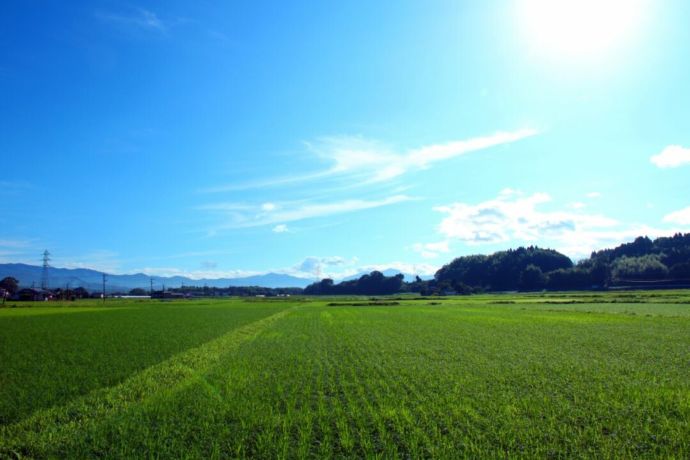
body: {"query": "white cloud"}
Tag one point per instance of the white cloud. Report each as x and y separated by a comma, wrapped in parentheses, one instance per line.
(681, 217)
(671, 157)
(374, 161)
(365, 161)
(578, 205)
(426, 155)
(512, 216)
(268, 183)
(338, 268)
(516, 218)
(280, 228)
(321, 267)
(423, 269)
(311, 268)
(139, 18)
(268, 207)
(101, 260)
(431, 250)
(593, 195)
(194, 274)
(242, 215)
(15, 244)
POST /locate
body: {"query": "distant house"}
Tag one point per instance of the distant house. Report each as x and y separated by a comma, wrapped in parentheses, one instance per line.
(30, 294)
(167, 295)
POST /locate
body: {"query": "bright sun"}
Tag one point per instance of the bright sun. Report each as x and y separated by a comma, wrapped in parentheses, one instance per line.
(579, 29)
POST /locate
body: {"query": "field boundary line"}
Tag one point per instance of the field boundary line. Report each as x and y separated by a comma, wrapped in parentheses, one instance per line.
(58, 422)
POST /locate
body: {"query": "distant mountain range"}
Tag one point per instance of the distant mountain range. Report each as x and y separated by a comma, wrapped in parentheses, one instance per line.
(30, 275)
(92, 280)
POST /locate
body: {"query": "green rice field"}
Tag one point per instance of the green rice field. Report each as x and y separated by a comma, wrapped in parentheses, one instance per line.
(566, 375)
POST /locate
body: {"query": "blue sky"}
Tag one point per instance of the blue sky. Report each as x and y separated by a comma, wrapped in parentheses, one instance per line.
(322, 138)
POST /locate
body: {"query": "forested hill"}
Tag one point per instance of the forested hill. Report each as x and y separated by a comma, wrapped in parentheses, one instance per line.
(504, 270)
(670, 251)
(663, 260)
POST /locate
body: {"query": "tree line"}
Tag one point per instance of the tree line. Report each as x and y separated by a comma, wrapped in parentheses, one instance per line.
(665, 260)
(662, 261)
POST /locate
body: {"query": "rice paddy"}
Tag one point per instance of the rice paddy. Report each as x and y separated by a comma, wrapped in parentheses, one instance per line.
(603, 375)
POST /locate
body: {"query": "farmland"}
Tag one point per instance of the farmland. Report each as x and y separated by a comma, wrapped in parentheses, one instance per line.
(558, 375)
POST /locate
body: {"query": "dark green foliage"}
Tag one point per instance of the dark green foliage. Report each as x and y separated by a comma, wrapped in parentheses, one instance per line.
(80, 293)
(9, 284)
(680, 271)
(532, 278)
(648, 267)
(234, 291)
(502, 270)
(638, 263)
(569, 279)
(375, 283)
(671, 250)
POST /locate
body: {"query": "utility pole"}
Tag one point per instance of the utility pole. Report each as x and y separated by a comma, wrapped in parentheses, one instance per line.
(151, 289)
(104, 279)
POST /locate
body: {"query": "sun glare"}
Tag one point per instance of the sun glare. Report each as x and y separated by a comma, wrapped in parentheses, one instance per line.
(579, 29)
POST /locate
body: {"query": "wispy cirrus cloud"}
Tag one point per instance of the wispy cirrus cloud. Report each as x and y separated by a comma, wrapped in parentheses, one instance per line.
(14, 187)
(376, 162)
(672, 157)
(16, 243)
(367, 161)
(102, 260)
(137, 18)
(241, 215)
(18, 250)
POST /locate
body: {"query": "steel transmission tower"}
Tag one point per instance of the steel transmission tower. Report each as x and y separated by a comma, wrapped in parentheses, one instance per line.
(46, 267)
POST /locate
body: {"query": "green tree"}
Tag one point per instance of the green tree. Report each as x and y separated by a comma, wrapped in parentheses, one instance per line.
(10, 284)
(80, 293)
(647, 267)
(532, 278)
(680, 271)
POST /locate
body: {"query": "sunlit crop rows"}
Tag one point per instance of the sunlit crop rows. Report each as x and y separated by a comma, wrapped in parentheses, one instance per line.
(457, 378)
